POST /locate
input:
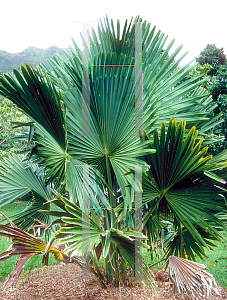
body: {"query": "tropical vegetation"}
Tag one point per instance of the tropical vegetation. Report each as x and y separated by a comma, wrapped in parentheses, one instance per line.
(115, 130)
(12, 137)
(213, 60)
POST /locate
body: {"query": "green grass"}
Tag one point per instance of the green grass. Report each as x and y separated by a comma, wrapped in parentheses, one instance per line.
(217, 262)
(6, 267)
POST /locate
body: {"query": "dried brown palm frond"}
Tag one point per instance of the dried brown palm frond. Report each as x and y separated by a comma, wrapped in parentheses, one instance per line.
(190, 278)
(37, 227)
(26, 245)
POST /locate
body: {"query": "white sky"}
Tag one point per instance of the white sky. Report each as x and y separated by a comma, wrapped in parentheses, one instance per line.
(44, 23)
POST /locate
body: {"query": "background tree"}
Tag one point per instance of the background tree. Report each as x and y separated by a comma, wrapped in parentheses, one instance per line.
(12, 137)
(217, 86)
(213, 56)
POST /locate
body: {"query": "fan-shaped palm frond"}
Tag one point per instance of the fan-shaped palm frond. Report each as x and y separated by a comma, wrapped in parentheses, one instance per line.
(159, 70)
(191, 278)
(15, 172)
(35, 94)
(181, 183)
(18, 178)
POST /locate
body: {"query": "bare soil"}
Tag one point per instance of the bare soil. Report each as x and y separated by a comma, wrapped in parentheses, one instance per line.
(66, 282)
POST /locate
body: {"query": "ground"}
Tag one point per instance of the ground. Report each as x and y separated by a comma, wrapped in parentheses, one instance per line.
(65, 282)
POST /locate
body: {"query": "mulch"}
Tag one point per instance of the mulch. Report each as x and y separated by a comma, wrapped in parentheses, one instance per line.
(66, 282)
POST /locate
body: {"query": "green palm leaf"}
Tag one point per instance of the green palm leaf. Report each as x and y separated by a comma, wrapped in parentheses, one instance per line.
(35, 94)
(18, 178)
(177, 184)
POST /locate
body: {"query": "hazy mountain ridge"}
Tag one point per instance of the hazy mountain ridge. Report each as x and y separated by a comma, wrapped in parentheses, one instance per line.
(31, 55)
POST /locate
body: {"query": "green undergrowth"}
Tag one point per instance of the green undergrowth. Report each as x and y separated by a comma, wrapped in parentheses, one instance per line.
(217, 262)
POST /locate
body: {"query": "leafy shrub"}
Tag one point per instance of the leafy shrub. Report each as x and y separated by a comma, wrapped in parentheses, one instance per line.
(11, 139)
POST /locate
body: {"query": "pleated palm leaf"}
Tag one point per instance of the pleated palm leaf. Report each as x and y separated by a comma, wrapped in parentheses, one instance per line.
(19, 178)
(191, 279)
(158, 68)
(36, 95)
(181, 184)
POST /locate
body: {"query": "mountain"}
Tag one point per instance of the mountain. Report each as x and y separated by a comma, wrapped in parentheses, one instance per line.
(31, 55)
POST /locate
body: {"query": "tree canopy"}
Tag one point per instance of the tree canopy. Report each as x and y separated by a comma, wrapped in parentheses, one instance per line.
(213, 56)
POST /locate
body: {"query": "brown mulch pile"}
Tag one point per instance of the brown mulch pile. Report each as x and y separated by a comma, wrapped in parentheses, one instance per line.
(65, 282)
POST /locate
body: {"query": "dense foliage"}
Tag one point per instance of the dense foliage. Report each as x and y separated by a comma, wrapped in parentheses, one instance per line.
(213, 56)
(11, 139)
(214, 59)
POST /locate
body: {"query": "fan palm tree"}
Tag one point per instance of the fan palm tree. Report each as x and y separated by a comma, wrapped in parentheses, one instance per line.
(86, 136)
